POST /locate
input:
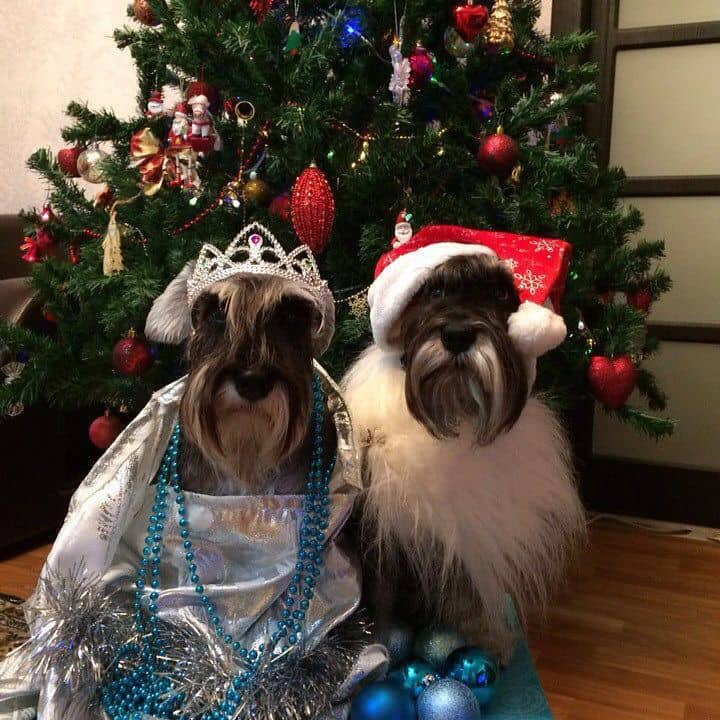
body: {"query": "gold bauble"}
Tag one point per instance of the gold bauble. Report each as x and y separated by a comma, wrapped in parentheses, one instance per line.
(88, 164)
(257, 191)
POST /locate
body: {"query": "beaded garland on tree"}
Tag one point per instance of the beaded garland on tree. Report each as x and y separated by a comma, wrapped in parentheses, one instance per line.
(143, 683)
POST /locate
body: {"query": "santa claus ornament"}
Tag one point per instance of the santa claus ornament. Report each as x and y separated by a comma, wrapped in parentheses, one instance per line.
(403, 229)
(202, 131)
(155, 105)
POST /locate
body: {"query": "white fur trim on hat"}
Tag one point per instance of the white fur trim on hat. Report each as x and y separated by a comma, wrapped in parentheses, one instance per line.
(536, 329)
(397, 284)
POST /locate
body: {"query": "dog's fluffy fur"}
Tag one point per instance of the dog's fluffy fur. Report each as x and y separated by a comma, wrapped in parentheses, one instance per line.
(469, 483)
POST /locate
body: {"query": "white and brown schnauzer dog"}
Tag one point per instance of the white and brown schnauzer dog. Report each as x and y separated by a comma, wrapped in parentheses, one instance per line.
(469, 485)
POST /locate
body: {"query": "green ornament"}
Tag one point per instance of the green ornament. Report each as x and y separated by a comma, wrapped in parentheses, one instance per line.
(294, 39)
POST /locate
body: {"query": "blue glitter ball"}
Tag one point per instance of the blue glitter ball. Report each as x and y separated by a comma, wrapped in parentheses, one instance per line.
(22, 356)
(383, 701)
(435, 645)
(414, 675)
(474, 668)
(448, 700)
(398, 639)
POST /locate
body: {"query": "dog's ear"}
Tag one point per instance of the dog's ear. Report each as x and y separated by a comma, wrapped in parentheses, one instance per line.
(169, 319)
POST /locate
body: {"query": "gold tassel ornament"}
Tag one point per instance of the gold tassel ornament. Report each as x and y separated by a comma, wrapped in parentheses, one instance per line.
(112, 246)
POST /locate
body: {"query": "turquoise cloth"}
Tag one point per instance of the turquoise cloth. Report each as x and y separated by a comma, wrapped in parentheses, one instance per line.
(519, 695)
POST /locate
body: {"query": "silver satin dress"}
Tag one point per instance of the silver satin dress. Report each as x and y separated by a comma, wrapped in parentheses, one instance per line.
(245, 548)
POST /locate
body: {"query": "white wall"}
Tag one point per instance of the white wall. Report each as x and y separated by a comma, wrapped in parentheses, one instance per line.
(55, 51)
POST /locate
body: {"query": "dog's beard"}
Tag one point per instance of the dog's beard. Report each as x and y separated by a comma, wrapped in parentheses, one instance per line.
(484, 388)
(245, 441)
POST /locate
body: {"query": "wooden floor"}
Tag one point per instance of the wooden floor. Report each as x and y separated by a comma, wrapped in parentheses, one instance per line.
(635, 636)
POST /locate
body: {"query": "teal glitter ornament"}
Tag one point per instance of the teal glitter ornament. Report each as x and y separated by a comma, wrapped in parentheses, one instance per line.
(474, 668)
(383, 701)
(414, 675)
(435, 645)
(448, 700)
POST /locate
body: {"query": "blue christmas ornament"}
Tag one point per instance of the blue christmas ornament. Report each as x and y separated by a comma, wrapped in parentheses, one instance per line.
(474, 668)
(353, 26)
(435, 645)
(383, 701)
(448, 700)
(398, 639)
(414, 675)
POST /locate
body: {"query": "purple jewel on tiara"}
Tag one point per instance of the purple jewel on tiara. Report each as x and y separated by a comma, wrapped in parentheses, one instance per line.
(256, 239)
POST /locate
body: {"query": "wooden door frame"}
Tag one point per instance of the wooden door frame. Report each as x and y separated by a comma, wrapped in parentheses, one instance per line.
(615, 485)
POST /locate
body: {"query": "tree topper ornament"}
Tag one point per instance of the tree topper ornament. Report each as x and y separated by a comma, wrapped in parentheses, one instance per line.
(403, 229)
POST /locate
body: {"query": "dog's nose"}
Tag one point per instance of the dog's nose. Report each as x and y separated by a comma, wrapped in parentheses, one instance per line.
(255, 384)
(457, 337)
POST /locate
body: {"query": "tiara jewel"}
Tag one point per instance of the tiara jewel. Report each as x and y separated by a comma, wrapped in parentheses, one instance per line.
(255, 251)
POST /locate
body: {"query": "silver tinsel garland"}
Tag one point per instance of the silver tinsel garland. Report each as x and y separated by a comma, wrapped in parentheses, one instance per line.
(292, 687)
(78, 627)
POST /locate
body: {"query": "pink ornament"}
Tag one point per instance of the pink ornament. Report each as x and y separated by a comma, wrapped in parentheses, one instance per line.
(421, 67)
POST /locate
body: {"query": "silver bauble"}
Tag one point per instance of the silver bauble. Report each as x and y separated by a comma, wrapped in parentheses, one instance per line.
(435, 645)
(89, 162)
(456, 46)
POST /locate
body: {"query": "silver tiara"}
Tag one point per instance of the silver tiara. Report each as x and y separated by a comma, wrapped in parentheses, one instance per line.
(255, 251)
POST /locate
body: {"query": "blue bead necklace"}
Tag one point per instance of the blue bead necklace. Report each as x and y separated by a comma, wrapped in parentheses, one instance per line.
(142, 683)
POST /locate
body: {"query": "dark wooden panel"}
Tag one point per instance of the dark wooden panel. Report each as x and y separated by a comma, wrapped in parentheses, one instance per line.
(11, 232)
(655, 491)
(673, 185)
(690, 332)
(569, 16)
(666, 35)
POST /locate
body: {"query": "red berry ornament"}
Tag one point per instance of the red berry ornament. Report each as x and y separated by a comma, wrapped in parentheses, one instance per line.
(104, 429)
(612, 379)
(67, 160)
(469, 20)
(312, 208)
(640, 300)
(132, 356)
(280, 207)
(421, 67)
(498, 154)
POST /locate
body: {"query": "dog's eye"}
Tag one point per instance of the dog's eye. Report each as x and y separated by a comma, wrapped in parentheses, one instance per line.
(436, 293)
(217, 317)
(502, 294)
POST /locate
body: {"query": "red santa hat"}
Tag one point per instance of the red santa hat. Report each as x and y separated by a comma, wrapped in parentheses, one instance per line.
(403, 217)
(155, 96)
(181, 109)
(538, 266)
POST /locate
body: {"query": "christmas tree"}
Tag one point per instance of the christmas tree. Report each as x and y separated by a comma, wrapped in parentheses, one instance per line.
(325, 121)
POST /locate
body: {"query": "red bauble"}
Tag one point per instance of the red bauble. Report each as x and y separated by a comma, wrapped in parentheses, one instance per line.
(421, 67)
(132, 356)
(49, 315)
(312, 208)
(200, 87)
(469, 20)
(498, 154)
(143, 13)
(67, 160)
(261, 8)
(104, 429)
(612, 379)
(280, 207)
(640, 300)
